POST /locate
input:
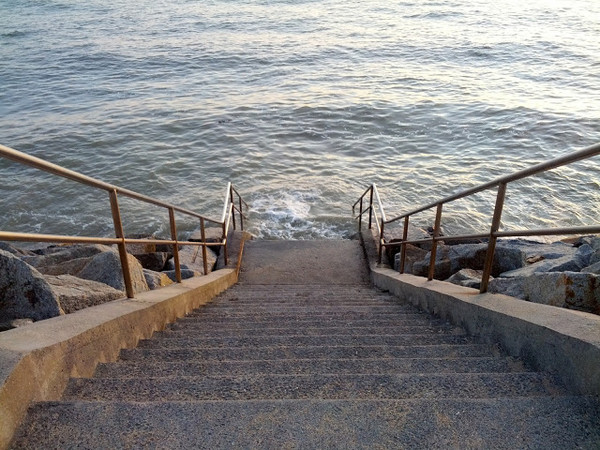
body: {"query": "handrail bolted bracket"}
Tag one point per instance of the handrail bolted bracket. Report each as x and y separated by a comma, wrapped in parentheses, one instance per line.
(489, 256)
(176, 245)
(436, 233)
(119, 234)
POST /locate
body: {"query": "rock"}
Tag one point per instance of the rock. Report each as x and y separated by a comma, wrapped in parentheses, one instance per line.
(413, 254)
(17, 323)
(570, 263)
(451, 259)
(535, 249)
(76, 293)
(24, 293)
(212, 234)
(156, 279)
(106, 268)
(594, 268)
(508, 286)
(185, 274)
(191, 257)
(154, 261)
(15, 250)
(572, 290)
(72, 267)
(56, 255)
(468, 278)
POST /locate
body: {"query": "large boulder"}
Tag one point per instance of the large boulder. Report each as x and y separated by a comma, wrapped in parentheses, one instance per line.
(190, 256)
(24, 293)
(566, 289)
(60, 254)
(71, 267)
(106, 268)
(154, 261)
(413, 255)
(451, 259)
(574, 262)
(185, 274)
(468, 278)
(508, 286)
(76, 293)
(15, 250)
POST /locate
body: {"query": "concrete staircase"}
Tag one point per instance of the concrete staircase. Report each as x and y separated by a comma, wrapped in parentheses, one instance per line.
(301, 362)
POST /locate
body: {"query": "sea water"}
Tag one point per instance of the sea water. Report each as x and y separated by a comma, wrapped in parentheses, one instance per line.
(301, 104)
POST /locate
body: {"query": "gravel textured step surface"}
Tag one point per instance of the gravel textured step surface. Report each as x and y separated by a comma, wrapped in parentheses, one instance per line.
(316, 359)
(548, 423)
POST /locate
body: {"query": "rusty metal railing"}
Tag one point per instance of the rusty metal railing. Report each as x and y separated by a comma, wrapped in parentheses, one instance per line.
(494, 233)
(233, 203)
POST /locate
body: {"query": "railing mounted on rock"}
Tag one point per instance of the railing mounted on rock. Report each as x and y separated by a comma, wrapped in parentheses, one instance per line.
(233, 203)
(377, 213)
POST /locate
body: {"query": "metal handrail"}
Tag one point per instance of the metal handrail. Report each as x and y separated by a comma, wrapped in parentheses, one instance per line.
(501, 183)
(120, 240)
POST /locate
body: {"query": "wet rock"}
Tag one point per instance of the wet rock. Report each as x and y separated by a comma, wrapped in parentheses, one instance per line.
(106, 268)
(468, 278)
(76, 293)
(15, 250)
(153, 261)
(572, 290)
(156, 280)
(24, 293)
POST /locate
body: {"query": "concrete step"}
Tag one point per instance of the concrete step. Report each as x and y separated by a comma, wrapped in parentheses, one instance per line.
(193, 342)
(133, 369)
(505, 423)
(315, 352)
(323, 316)
(337, 386)
(294, 330)
(306, 310)
(191, 323)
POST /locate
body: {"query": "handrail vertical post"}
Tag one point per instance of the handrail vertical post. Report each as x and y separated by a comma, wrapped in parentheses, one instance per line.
(436, 233)
(371, 208)
(381, 242)
(119, 234)
(403, 245)
(489, 256)
(204, 256)
(225, 256)
(241, 211)
(176, 245)
(231, 199)
(360, 211)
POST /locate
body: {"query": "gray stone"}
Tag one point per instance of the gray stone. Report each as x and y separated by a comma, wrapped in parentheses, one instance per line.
(594, 268)
(106, 268)
(413, 255)
(508, 286)
(153, 261)
(15, 250)
(76, 293)
(451, 259)
(565, 289)
(185, 274)
(552, 250)
(24, 293)
(191, 257)
(53, 256)
(570, 263)
(71, 267)
(156, 280)
(468, 278)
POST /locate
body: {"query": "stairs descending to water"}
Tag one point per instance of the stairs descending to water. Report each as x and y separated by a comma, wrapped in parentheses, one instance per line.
(312, 365)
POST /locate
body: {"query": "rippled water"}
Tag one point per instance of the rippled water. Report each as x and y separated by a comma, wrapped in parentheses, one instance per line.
(301, 104)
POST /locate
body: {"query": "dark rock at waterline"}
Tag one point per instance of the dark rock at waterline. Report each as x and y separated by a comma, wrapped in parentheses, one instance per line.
(77, 293)
(153, 261)
(56, 255)
(14, 250)
(24, 293)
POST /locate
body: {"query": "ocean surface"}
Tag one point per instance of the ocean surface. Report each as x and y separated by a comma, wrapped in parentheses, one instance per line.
(301, 104)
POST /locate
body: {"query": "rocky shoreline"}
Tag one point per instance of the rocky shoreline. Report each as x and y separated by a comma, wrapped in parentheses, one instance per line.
(61, 279)
(564, 273)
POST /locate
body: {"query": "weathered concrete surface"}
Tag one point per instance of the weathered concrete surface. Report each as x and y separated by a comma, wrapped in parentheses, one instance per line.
(36, 361)
(304, 262)
(560, 341)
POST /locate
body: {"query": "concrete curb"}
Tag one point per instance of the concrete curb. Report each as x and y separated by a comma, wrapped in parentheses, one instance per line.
(37, 361)
(561, 341)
